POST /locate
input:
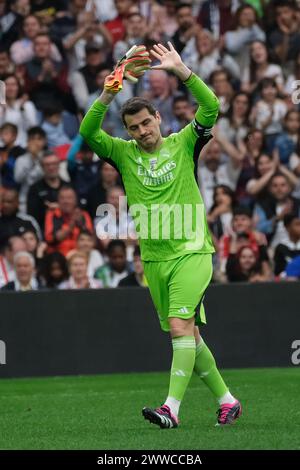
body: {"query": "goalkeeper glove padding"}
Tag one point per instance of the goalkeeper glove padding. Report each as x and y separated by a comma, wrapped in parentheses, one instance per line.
(131, 67)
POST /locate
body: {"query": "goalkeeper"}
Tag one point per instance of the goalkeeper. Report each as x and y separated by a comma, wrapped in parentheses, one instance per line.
(160, 172)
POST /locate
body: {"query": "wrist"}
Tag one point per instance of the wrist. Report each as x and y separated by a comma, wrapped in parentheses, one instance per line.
(183, 72)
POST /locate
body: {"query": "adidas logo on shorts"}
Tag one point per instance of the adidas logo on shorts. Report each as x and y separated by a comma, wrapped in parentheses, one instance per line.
(183, 310)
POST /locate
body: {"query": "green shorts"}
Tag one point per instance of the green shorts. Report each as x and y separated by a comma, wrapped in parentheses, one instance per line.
(177, 286)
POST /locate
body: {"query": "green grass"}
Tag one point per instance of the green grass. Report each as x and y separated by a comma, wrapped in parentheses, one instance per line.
(104, 412)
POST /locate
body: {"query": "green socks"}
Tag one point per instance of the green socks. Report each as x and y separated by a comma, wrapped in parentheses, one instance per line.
(205, 367)
(184, 349)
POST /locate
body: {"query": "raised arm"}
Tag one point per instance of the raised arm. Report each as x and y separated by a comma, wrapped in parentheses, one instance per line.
(171, 61)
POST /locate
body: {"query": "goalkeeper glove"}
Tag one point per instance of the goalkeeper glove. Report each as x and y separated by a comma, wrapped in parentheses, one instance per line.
(131, 67)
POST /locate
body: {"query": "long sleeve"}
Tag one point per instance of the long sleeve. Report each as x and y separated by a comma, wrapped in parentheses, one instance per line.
(207, 112)
(105, 146)
(74, 149)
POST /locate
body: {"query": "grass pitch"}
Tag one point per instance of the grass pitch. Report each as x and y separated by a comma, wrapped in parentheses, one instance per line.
(104, 412)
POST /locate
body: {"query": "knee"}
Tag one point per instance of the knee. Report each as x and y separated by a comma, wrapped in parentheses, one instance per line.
(179, 327)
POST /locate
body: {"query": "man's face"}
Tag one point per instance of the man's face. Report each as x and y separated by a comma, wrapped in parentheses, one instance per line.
(285, 14)
(109, 174)
(8, 136)
(280, 188)
(24, 270)
(31, 27)
(136, 26)
(10, 203)
(294, 229)
(213, 156)
(42, 47)
(182, 109)
(36, 143)
(67, 201)
(51, 166)
(78, 268)
(117, 259)
(159, 83)
(241, 223)
(144, 128)
(185, 18)
(122, 6)
(94, 58)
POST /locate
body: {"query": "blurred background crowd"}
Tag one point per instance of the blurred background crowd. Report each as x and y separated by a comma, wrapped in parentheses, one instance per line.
(54, 57)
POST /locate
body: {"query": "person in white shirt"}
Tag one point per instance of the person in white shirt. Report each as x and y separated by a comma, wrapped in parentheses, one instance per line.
(79, 278)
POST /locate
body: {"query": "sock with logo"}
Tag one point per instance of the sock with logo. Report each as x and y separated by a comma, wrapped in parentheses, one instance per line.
(182, 368)
(205, 367)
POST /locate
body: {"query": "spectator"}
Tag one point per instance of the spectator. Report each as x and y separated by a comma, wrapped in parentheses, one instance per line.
(45, 78)
(220, 82)
(251, 148)
(242, 234)
(246, 266)
(113, 123)
(54, 127)
(207, 58)
(86, 245)
(11, 23)
(270, 212)
(220, 215)
(260, 68)
(28, 168)
(18, 109)
(285, 39)
(160, 95)
(11, 247)
(188, 27)
(217, 16)
(287, 143)
(246, 31)
(88, 30)
(292, 77)
(113, 221)
(83, 81)
(182, 113)
(25, 279)
(268, 112)
(137, 277)
(12, 222)
(42, 195)
(79, 278)
(54, 270)
(235, 125)
(116, 268)
(63, 224)
(108, 177)
(82, 168)
(9, 153)
(116, 26)
(284, 253)
(213, 171)
(21, 50)
(265, 168)
(7, 67)
(34, 246)
(135, 34)
(292, 271)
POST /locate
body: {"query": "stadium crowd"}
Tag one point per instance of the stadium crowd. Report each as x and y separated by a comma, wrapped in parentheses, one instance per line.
(54, 57)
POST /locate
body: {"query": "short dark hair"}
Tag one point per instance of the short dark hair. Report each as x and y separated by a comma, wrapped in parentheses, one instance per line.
(289, 218)
(285, 3)
(180, 5)
(36, 130)
(137, 251)
(242, 210)
(116, 244)
(134, 105)
(9, 126)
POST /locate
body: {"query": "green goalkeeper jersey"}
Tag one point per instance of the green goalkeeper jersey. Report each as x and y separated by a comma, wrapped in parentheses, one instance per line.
(161, 187)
